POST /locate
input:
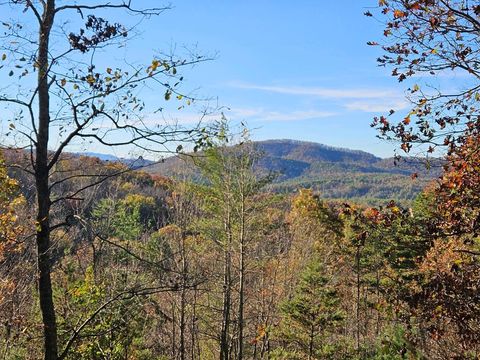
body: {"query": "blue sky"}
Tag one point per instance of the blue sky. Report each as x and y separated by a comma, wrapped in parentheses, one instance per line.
(297, 70)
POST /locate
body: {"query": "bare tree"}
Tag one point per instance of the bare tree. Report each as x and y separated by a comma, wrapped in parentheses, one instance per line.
(64, 98)
(234, 189)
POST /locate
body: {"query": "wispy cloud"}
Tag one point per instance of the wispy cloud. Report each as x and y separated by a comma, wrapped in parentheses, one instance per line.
(365, 100)
(352, 99)
(267, 115)
(180, 118)
(328, 93)
(236, 114)
(377, 106)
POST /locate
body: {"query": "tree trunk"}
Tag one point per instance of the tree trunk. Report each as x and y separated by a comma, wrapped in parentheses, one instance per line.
(183, 303)
(43, 191)
(224, 346)
(377, 330)
(224, 341)
(174, 330)
(310, 343)
(357, 310)
(241, 299)
(193, 331)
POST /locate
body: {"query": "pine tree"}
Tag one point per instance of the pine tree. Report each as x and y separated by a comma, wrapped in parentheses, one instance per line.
(309, 316)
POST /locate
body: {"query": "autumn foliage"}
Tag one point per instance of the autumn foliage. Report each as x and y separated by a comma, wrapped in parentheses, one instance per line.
(11, 203)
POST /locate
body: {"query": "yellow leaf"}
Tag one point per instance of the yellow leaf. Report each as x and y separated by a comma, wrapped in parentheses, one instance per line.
(4, 57)
(154, 65)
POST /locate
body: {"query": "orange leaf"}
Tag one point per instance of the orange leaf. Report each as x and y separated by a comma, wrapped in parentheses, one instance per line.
(398, 14)
(415, 6)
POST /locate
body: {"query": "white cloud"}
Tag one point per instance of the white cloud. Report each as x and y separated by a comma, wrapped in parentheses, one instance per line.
(377, 106)
(329, 93)
(267, 115)
(365, 100)
(258, 114)
(180, 118)
(353, 99)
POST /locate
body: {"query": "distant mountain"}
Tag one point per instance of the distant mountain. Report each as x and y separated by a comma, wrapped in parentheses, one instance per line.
(336, 173)
(103, 157)
(135, 163)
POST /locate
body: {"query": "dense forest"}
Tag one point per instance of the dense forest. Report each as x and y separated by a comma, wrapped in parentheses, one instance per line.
(146, 267)
(106, 260)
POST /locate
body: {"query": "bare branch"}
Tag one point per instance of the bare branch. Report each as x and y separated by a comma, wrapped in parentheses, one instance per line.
(124, 5)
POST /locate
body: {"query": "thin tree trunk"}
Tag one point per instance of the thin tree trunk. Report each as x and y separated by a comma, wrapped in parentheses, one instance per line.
(310, 345)
(224, 348)
(224, 343)
(377, 330)
(183, 300)
(358, 300)
(43, 192)
(174, 330)
(241, 279)
(182, 324)
(194, 321)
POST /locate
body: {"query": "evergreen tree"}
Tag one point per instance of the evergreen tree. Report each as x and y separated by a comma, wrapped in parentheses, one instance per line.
(309, 316)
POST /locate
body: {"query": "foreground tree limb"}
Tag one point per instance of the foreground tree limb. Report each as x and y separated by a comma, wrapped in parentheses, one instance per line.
(71, 101)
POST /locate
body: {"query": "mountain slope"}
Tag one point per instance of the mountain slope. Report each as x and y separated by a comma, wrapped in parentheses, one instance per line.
(336, 173)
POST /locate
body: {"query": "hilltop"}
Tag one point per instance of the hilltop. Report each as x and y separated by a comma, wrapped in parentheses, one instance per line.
(337, 173)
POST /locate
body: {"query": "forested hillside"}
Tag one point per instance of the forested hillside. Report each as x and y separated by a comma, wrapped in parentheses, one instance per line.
(273, 250)
(334, 173)
(149, 267)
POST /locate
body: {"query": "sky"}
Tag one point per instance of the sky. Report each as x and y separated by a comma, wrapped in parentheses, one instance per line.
(288, 70)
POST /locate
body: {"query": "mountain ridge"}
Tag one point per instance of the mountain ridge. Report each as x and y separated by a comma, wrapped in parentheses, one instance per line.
(337, 173)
